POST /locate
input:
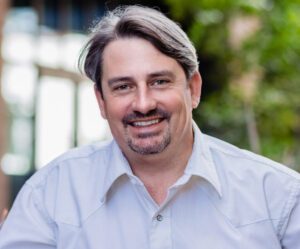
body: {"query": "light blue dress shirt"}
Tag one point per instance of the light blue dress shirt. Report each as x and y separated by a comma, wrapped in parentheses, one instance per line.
(89, 199)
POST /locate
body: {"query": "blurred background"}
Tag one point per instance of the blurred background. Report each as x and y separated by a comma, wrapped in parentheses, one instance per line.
(249, 54)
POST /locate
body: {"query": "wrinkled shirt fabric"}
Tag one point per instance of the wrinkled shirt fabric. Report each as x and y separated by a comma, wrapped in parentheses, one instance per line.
(89, 198)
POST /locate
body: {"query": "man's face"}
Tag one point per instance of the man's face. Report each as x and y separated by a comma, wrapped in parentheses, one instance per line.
(146, 97)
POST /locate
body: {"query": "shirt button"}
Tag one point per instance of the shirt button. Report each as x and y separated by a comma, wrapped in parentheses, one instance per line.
(159, 217)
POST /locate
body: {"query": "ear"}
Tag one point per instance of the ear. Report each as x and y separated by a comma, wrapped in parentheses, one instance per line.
(195, 84)
(100, 101)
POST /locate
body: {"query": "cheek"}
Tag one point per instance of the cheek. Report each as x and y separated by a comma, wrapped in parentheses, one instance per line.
(114, 113)
(183, 109)
(188, 101)
(181, 102)
(116, 109)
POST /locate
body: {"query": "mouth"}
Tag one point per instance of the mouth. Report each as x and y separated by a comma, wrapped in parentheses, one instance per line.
(145, 123)
(151, 119)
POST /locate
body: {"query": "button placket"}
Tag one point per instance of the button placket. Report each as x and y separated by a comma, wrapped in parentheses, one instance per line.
(160, 232)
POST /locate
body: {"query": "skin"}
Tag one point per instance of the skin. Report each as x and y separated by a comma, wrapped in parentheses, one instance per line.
(148, 104)
(3, 216)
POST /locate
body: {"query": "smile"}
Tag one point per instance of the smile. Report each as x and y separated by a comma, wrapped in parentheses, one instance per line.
(145, 123)
(140, 120)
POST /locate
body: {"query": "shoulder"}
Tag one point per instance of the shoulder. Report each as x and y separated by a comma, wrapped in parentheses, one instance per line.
(69, 187)
(81, 159)
(264, 189)
(241, 160)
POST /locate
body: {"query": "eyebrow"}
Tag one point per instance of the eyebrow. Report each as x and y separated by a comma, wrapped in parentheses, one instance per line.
(119, 79)
(162, 73)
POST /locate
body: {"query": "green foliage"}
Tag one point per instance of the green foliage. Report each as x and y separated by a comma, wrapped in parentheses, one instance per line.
(271, 53)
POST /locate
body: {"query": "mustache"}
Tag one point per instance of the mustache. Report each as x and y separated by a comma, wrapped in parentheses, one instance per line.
(157, 113)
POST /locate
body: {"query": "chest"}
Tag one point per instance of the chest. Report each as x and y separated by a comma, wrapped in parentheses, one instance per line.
(187, 220)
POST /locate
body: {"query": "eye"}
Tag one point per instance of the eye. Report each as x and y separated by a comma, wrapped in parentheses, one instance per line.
(122, 87)
(160, 82)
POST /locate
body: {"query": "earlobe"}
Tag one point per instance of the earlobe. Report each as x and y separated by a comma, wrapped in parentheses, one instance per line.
(195, 87)
(100, 102)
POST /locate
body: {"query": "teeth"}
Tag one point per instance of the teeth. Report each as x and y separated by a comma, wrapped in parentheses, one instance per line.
(146, 123)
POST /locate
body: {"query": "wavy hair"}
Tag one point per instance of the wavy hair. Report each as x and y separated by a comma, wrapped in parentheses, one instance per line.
(141, 22)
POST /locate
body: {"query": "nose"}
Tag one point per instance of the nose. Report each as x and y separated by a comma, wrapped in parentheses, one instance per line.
(143, 101)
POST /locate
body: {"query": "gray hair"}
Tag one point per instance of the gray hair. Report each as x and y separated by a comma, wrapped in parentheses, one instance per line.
(141, 22)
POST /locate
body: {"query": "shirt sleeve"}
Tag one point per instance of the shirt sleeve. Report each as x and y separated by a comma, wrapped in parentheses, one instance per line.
(291, 236)
(28, 226)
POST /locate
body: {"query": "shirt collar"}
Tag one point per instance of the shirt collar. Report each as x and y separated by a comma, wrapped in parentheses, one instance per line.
(201, 162)
(117, 166)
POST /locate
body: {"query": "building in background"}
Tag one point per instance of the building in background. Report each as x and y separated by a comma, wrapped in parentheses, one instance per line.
(50, 104)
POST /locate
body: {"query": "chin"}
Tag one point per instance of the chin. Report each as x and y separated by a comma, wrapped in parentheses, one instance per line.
(149, 148)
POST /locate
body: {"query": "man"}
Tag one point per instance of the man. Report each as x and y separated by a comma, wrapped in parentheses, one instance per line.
(160, 183)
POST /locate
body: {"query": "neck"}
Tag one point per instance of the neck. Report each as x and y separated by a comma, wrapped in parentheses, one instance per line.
(160, 171)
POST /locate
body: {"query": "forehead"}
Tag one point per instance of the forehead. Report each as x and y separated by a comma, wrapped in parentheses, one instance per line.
(135, 57)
